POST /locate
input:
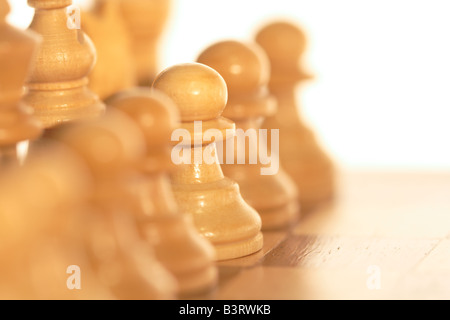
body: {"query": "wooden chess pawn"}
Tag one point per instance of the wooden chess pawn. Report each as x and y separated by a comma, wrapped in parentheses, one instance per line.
(17, 123)
(113, 70)
(58, 85)
(300, 152)
(40, 227)
(111, 147)
(245, 68)
(200, 188)
(146, 20)
(179, 247)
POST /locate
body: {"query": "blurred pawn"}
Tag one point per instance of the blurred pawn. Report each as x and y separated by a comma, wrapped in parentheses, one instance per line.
(17, 124)
(178, 246)
(112, 148)
(146, 21)
(264, 185)
(113, 70)
(300, 153)
(40, 225)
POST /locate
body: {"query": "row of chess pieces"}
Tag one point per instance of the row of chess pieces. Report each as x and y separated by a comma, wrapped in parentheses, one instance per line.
(97, 209)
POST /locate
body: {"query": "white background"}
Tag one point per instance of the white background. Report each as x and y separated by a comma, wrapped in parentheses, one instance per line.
(381, 97)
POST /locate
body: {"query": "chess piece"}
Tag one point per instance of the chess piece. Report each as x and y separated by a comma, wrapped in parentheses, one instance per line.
(246, 71)
(179, 247)
(106, 28)
(17, 123)
(111, 147)
(300, 153)
(40, 226)
(146, 20)
(200, 188)
(58, 85)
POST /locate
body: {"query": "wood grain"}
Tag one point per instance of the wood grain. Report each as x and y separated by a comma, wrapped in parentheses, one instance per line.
(395, 222)
(350, 252)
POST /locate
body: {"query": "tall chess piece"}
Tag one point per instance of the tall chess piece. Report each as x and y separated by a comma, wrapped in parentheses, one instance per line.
(179, 247)
(200, 188)
(113, 70)
(146, 21)
(41, 223)
(17, 123)
(112, 147)
(246, 71)
(58, 85)
(300, 153)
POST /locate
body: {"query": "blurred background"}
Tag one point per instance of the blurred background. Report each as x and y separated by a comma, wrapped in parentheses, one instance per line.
(380, 99)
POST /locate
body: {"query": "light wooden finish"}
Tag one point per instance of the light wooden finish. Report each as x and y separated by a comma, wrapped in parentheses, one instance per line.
(178, 245)
(40, 226)
(394, 225)
(114, 69)
(219, 211)
(300, 152)
(245, 69)
(111, 147)
(146, 21)
(58, 85)
(17, 49)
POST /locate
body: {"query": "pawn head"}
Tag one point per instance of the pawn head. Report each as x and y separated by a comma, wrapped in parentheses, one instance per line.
(109, 145)
(244, 67)
(154, 112)
(283, 42)
(199, 92)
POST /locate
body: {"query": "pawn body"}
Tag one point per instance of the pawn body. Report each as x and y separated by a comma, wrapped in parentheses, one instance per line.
(113, 70)
(301, 154)
(303, 158)
(266, 188)
(179, 247)
(17, 123)
(145, 21)
(111, 147)
(58, 87)
(200, 188)
(39, 237)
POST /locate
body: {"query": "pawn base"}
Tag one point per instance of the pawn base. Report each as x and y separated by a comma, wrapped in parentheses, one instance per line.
(239, 249)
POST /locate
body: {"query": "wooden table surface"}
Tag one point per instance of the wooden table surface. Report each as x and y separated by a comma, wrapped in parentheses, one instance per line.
(385, 236)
